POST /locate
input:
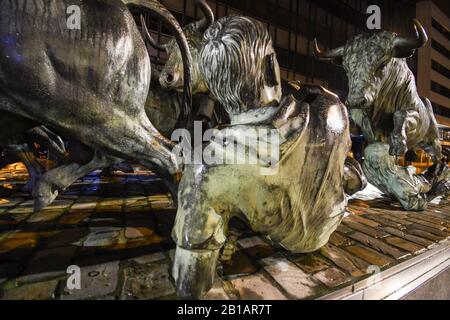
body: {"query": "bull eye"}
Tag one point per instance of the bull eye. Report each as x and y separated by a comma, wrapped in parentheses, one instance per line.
(270, 72)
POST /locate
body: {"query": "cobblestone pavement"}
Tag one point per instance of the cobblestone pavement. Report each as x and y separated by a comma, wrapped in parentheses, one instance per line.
(117, 230)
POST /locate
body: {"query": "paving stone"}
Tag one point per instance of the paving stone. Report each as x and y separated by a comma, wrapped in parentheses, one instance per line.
(14, 244)
(294, 281)
(74, 217)
(66, 237)
(425, 234)
(60, 204)
(83, 205)
(383, 221)
(395, 218)
(96, 281)
(149, 258)
(21, 210)
(48, 260)
(251, 242)
(437, 215)
(423, 216)
(364, 221)
(421, 241)
(40, 277)
(339, 240)
(343, 229)
(101, 237)
(45, 215)
(437, 232)
(256, 248)
(365, 229)
(13, 219)
(332, 277)
(32, 291)
(346, 261)
(110, 202)
(9, 203)
(428, 224)
(257, 287)
(217, 292)
(404, 244)
(238, 266)
(311, 263)
(133, 233)
(379, 245)
(370, 256)
(146, 282)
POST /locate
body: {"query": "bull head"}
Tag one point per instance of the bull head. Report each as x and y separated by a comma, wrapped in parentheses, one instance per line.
(171, 77)
(239, 64)
(367, 60)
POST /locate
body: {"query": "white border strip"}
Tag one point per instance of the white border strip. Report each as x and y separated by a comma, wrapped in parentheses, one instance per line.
(396, 282)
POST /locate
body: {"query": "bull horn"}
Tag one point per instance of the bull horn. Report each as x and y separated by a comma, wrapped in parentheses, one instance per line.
(158, 10)
(327, 55)
(208, 20)
(148, 36)
(403, 45)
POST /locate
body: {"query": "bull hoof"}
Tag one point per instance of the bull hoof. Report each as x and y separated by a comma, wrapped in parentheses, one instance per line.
(398, 150)
(397, 146)
(354, 178)
(441, 183)
(28, 188)
(44, 195)
(194, 272)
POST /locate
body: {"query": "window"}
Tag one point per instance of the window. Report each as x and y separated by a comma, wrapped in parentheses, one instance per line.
(440, 48)
(436, 25)
(436, 66)
(443, 91)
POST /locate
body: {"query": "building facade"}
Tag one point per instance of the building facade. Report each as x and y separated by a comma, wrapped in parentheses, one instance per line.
(434, 60)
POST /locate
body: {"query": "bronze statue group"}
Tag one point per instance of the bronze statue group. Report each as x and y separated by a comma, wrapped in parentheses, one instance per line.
(96, 88)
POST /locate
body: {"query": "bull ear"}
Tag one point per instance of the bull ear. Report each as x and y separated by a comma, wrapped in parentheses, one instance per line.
(338, 61)
(270, 71)
(401, 54)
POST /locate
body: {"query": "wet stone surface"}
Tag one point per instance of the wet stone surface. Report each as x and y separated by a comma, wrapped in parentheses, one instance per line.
(117, 230)
(149, 281)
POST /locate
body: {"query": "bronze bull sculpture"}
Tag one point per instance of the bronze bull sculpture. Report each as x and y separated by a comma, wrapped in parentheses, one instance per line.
(94, 93)
(383, 101)
(302, 201)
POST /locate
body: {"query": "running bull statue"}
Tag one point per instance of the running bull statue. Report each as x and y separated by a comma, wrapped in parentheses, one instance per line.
(18, 144)
(164, 100)
(95, 92)
(163, 104)
(300, 200)
(383, 101)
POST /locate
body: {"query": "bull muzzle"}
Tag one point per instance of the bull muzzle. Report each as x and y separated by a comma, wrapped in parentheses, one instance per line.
(171, 80)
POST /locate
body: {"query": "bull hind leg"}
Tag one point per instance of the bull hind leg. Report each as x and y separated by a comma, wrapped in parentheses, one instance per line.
(396, 181)
(13, 138)
(438, 174)
(58, 179)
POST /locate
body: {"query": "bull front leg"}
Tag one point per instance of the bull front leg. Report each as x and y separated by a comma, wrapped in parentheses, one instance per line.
(199, 233)
(200, 236)
(405, 121)
(400, 183)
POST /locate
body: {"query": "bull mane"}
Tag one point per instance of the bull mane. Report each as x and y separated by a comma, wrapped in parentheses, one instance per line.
(231, 61)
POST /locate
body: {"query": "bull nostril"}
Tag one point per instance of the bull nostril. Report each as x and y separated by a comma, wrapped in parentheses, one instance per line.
(169, 78)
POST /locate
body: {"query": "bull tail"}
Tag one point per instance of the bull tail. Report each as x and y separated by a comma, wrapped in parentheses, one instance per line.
(156, 9)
